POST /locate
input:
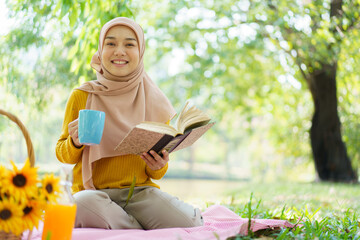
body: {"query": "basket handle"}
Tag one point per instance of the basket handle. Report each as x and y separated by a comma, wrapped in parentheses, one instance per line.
(29, 145)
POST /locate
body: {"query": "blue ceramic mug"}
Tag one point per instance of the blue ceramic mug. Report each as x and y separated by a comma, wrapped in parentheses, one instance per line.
(91, 126)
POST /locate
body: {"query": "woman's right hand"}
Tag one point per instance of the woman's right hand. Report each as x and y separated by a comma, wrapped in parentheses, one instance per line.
(73, 132)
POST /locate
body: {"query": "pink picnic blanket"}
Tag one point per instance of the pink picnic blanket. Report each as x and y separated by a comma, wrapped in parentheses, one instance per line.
(219, 223)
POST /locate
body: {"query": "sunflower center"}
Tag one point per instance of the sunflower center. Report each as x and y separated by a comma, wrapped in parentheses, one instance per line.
(49, 188)
(5, 214)
(27, 210)
(19, 180)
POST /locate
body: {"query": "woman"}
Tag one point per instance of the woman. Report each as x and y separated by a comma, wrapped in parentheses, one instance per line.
(102, 179)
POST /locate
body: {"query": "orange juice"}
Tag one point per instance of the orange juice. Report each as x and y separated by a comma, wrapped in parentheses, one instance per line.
(59, 222)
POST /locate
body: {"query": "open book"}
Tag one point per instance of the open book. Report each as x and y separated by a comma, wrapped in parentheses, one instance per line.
(191, 124)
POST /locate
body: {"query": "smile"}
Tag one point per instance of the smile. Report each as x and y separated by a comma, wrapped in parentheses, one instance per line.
(119, 62)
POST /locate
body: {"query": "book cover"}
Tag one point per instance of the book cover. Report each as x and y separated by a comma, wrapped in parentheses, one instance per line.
(192, 123)
(140, 140)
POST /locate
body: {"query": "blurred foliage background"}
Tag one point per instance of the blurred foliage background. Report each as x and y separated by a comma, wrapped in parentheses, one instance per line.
(230, 57)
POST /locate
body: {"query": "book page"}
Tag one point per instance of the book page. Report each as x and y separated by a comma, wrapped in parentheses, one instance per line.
(178, 123)
(191, 117)
(158, 127)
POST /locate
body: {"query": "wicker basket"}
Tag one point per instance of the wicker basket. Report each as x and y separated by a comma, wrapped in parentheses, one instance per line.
(30, 150)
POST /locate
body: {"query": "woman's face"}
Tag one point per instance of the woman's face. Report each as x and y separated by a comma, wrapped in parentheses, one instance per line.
(120, 54)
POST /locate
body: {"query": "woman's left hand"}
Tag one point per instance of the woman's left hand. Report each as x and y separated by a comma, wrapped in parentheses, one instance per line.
(154, 160)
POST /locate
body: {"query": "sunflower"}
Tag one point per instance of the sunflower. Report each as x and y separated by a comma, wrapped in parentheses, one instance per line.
(21, 184)
(32, 213)
(10, 216)
(50, 187)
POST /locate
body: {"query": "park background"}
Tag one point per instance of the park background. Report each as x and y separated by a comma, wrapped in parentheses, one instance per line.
(280, 78)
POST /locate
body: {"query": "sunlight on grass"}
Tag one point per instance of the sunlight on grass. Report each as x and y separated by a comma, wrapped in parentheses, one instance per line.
(327, 198)
(324, 210)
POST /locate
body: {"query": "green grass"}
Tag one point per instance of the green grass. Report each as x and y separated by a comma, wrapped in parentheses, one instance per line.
(323, 210)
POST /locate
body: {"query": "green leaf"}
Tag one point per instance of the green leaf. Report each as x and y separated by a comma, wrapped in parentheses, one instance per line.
(131, 191)
(73, 17)
(48, 235)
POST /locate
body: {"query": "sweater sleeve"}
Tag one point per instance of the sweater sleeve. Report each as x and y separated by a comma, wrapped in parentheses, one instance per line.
(66, 151)
(157, 174)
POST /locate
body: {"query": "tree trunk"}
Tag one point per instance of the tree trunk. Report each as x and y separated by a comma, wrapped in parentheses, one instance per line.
(329, 151)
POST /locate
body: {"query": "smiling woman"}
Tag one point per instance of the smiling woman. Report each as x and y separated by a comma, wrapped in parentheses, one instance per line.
(120, 55)
(103, 178)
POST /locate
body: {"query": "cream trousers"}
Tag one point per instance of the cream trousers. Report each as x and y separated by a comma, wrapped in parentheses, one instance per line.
(148, 208)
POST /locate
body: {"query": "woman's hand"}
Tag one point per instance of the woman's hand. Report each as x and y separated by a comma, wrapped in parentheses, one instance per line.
(73, 132)
(155, 161)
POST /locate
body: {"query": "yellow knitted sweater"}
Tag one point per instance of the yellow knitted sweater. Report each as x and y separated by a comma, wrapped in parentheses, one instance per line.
(112, 172)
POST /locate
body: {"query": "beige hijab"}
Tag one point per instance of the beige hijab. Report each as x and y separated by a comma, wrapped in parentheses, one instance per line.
(126, 101)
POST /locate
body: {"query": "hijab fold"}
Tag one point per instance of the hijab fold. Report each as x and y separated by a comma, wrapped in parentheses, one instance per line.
(126, 101)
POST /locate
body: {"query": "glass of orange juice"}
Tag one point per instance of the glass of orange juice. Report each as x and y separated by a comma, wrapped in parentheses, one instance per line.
(60, 217)
(59, 222)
